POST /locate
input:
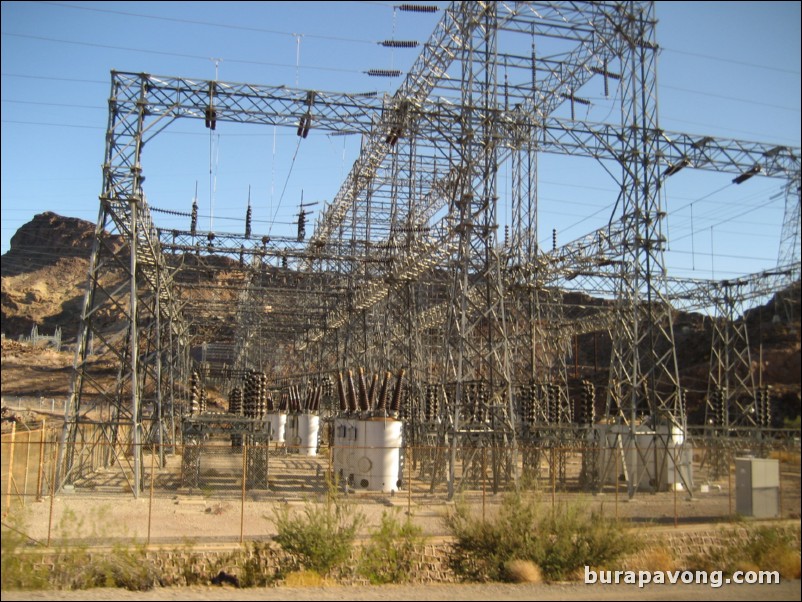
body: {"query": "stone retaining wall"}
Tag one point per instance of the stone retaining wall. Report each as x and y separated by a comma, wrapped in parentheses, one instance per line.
(197, 565)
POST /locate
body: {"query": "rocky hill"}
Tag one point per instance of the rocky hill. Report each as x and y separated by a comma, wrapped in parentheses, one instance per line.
(44, 279)
(45, 274)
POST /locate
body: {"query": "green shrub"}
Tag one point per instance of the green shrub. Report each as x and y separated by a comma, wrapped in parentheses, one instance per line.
(394, 547)
(559, 540)
(320, 538)
(20, 570)
(129, 569)
(253, 567)
(72, 567)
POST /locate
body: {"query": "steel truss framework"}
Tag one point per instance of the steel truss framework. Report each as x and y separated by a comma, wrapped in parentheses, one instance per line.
(406, 266)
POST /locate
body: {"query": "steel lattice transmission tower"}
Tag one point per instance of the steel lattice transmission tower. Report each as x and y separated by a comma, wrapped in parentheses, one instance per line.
(406, 265)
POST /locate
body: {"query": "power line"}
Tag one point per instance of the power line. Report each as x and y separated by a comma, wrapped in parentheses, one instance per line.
(56, 79)
(208, 23)
(60, 125)
(54, 104)
(174, 54)
(725, 97)
(733, 61)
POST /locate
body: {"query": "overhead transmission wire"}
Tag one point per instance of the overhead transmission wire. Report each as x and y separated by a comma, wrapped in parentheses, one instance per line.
(733, 61)
(289, 174)
(208, 23)
(175, 54)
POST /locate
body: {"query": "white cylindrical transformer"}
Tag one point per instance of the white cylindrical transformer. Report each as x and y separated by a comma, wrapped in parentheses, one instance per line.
(342, 447)
(376, 456)
(278, 424)
(306, 440)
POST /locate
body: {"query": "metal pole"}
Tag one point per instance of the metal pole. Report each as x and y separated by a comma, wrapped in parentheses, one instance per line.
(729, 484)
(553, 480)
(159, 351)
(152, 478)
(615, 477)
(484, 481)
(242, 504)
(135, 435)
(52, 495)
(10, 478)
(27, 465)
(676, 471)
(41, 461)
(408, 457)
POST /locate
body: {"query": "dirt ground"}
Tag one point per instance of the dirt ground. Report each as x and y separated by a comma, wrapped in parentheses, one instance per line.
(789, 590)
(102, 508)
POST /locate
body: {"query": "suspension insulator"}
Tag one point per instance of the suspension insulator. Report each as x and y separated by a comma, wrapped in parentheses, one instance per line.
(418, 8)
(383, 72)
(400, 44)
(248, 214)
(193, 224)
(210, 115)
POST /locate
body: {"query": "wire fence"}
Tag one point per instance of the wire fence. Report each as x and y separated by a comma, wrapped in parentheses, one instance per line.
(226, 488)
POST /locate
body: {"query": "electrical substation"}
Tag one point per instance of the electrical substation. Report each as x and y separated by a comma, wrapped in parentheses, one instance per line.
(407, 333)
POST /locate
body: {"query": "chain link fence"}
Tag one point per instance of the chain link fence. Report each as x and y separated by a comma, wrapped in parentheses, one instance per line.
(226, 488)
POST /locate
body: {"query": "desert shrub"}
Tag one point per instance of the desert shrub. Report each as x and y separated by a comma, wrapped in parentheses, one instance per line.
(253, 572)
(20, 569)
(523, 571)
(763, 548)
(558, 540)
(655, 559)
(321, 537)
(393, 549)
(305, 579)
(123, 568)
(74, 566)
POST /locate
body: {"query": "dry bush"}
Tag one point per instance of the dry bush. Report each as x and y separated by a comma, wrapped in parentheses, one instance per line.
(654, 559)
(785, 561)
(523, 571)
(306, 579)
(787, 457)
(745, 566)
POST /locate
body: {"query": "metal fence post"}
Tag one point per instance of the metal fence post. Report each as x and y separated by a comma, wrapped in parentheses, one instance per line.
(10, 479)
(242, 504)
(152, 478)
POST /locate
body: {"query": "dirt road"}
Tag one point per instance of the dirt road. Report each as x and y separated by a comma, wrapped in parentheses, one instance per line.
(788, 590)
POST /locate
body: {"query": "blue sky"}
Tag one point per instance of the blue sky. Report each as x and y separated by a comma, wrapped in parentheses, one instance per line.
(727, 69)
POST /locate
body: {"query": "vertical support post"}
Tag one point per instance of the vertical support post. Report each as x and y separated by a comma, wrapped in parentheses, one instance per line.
(674, 484)
(615, 477)
(242, 503)
(152, 478)
(52, 495)
(408, 458)
(484, 481)
(159, 410)
(729, 484)
(27, 465)
(40, 474)
(553, 479)
(10, 479)
(135, 433)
